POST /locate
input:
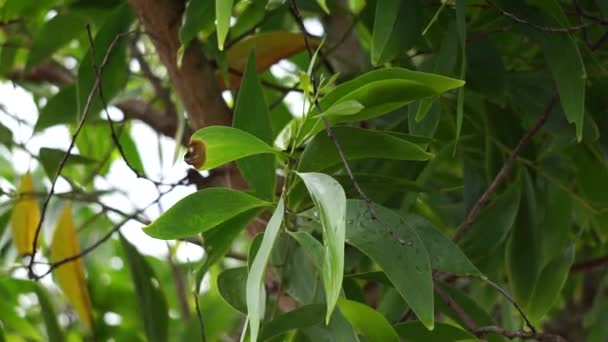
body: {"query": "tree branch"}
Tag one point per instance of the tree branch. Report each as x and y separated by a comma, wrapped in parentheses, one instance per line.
(481, 332)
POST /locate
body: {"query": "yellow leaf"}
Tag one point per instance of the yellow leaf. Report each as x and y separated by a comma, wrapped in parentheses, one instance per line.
(70, 276)
(25, 217)
(270, 47)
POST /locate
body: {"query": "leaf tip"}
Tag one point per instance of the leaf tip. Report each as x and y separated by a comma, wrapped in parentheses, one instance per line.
(196, 154)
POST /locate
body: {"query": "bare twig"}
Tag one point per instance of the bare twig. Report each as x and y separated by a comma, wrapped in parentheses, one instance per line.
(538, 27)
(504, 171)
(68, 152)
(505, 294)
(458, 310)
(590, 264)
(106, 237)
(481, 332)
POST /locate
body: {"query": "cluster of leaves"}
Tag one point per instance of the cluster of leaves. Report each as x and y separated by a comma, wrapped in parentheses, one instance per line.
(363, 189)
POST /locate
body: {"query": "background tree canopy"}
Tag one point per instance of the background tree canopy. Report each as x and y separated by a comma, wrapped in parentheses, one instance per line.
(375, 170)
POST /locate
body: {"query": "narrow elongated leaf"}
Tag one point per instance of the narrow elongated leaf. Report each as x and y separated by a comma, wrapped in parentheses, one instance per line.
(523, 253)
(384, 21)
(367, 321)
(415, 331)
(129, 147)
(223, 13)
(251, 115)
(379, 91)
(50, 158)
(357, 143)
(6, 136)
(202, 211)
(60, 109)
(25, 216)
(49, 315)
(492, 226)
(549, 284)
(231, 285)
(445, 255)
(461, 26)
(392, 243)
(311, 246)
(557, 222)
(330, 201)
(70, 276)
(13, 321)
(199, 15)
(302, 317)
(214, 146)
(53, 35)
(256, 294)
(396, 28)
(116, 71)
(348, 107)
(152, 307)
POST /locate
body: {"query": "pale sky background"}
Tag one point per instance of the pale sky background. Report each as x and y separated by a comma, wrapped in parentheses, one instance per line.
(140, 192)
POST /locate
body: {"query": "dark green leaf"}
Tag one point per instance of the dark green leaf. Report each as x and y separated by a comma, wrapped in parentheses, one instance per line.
(396, 28)
(53, 35)
(231, 285)
(415, 331)
(358, 143)
(251, 115)
(198, 16)
(50, 159)
(392, 243)
(202, 211)
(130, 149)
(152, 308)
(299, 318)
(61, 109)
(6, 136)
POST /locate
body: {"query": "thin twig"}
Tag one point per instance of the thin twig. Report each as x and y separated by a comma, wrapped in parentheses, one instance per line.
(504, 171)
(590, 264)
(63, 161)
(106, 237)
(538, 27)
(458, 310)
(481, 332)
(507, 296)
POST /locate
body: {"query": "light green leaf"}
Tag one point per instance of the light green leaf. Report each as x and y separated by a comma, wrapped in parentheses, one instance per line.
(392, 243)
(415, 331)
(311, 246)
(549, 284)
(256, 294)
(214, 146)
(202, 211)
(49, 315)
(61, 109)
(199, 15)
(231, 285)
(152, 307)
(367, 321)
(50, 158)
(302, 317)
(223, 13)
(323, 5)
(445, 255)
(358, 143)
(251, 115)
(330, 201)
(53, 35)
(348, 107)
(130, 150)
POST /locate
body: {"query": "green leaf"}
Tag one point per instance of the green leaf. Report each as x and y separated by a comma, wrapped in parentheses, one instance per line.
(116, 71)
(358, 143)
(256, 293)
(445, 255)
(415, 331)
(130, 149)
(6, 136)
(523, 251)
(13, 321)
(461, 27)
(348, 107)
(152, 306)
(392, 243)
(50, 159)
(302, 317)
(557, 222)
(311, 246)
(202, 211)
(223, 13)
(214, 146)
(251, 115)
(61, 109)
(330, 201)
(379, 91)
(492, 226)
(199, 15)
(231, 285)
(549, 284)
(219, 240)
(53, 35)
(396, 28)
(367, 321)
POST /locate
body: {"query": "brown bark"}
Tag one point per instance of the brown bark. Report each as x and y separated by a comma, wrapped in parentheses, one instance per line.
(194, 80)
